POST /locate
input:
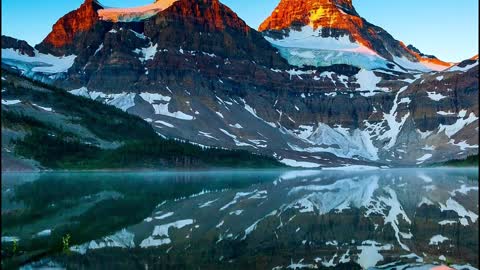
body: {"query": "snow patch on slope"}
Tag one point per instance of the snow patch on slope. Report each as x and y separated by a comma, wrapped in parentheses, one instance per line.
(368, 82)
(147, 53)
(42, 63)
(162, 109)
(461, 122)
(301, 164)
(307, 47)
(123, 101)
(339, 141)
(435, 96)
(391, 120)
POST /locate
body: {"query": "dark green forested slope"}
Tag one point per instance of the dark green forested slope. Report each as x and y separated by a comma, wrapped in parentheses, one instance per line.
(471, 161)
(50, 128)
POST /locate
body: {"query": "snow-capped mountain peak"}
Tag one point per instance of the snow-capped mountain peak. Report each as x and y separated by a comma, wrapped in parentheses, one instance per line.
(326, 32)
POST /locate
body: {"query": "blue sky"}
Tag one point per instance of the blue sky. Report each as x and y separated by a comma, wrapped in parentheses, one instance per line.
(447, 29)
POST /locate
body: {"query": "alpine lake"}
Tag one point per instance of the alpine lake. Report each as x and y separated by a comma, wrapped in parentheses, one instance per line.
(241, 219)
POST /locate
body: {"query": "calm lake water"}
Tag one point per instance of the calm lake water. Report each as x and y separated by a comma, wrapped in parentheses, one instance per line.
(380, 219)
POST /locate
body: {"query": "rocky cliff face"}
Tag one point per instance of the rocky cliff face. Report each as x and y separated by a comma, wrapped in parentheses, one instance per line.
(325, 22)
(339, 14)
(61, 39)
(210, 14)
(196, 72)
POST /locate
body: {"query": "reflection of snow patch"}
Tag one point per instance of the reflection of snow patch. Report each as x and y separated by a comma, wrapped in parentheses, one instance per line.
(169, 214)
(44, 233)
(391, 215)
(162, 231)
(48, 109)
(238, 196)
(10, 102)
(206, 204)
(445, 113)
(425, 201)
(10, 239)
(437, 239)
(463, 189)
(252, 227)
(339, 196)
(452, 205)
(370, 255)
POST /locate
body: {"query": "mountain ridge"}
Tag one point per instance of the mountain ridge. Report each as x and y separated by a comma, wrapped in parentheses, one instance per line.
(194, 80)
(47, 128)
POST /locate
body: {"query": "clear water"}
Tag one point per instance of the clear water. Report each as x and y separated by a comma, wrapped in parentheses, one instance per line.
(385, 219)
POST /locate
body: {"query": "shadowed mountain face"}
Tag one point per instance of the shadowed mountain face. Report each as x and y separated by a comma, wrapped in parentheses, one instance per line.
(20, 46)
(196, 72)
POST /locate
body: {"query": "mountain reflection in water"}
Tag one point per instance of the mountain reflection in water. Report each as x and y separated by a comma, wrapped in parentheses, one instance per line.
(389, 219)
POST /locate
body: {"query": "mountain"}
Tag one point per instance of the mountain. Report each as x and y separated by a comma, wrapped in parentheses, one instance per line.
(62, 38)
(21, 46)
(47, 128)
(195, 71)
(325, 32)
(465, 65)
